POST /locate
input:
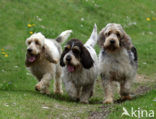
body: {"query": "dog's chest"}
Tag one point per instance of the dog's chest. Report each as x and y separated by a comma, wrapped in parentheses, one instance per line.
(40, 69)
(81, 78)
(117, 66)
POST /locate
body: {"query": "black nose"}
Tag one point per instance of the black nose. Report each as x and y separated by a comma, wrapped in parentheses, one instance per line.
(68, 58)
(29, 50)
(112, 41)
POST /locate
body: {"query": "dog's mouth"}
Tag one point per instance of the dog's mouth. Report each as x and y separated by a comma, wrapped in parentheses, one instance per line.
(31, 58)
(70, 68)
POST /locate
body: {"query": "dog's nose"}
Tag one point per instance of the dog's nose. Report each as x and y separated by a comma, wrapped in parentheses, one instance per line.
(29, 50)
(112, 41)
(68, 58)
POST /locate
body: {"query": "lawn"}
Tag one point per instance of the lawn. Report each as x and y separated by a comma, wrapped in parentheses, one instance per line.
(20, 18)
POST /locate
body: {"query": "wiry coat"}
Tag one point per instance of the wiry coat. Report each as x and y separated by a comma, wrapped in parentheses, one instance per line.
(79, 83)
(42, 60)
(117, 60)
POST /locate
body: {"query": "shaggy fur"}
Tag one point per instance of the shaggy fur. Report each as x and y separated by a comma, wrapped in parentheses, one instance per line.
(79, 64)
(42, 59)
(117, 60)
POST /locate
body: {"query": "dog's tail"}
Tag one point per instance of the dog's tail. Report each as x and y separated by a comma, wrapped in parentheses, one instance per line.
(63, 36)
(93, 38)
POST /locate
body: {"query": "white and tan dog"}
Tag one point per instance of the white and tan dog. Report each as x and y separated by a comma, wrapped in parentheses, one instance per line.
(117, 60)
(42, 59)
(79, 62)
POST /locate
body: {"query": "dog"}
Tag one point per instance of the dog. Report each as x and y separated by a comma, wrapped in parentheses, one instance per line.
(79, 62)
(117, 60)
(42, 59)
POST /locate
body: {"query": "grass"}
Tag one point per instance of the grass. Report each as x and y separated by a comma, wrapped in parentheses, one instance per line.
(144, 102)
(18, 98)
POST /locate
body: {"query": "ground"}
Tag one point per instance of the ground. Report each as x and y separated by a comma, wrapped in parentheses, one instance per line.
(20, 18)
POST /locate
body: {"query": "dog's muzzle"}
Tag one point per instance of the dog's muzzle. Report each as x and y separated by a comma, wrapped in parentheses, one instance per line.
(31, 58)
(70, 67)
(112, 41)
(29, 50)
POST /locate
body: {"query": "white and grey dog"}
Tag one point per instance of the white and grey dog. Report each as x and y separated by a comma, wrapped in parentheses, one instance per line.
(79, 62)
(42, 59)
(117, 60)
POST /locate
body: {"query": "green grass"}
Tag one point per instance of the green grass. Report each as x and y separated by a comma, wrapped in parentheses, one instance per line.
(145, 102)
(51, 18)
(28, 105)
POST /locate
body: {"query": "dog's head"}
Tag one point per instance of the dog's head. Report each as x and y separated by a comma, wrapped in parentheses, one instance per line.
(113, 37)
(76, 56)
(35, 45)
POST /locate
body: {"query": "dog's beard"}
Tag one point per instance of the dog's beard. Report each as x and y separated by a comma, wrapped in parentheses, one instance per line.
(110, 48)
(31, 58)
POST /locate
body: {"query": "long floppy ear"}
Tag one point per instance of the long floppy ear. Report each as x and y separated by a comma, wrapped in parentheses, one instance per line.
(51, 56)
(86, 59)
(126, 41)
(135, 54)
(101, 38)
(61, 59)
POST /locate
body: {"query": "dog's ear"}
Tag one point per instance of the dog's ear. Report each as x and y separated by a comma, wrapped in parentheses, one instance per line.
(50, 55)
(86, 58)
(101, 38)
(126, 41)
(61, 59)
(134, 52)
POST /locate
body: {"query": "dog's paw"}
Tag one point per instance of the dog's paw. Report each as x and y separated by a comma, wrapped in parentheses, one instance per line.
(108, 101)
(84, 101)
(42, 90)
(47, 92)
(128, 97)
(37, 87)
(60, 92)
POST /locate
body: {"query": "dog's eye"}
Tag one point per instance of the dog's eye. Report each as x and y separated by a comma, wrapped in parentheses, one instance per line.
(36, 42)
(29, 42)
(75, 51)
(107, 34)
(118, 35)
(66, 49)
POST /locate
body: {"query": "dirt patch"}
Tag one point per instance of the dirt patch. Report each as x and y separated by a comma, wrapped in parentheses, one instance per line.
(140, 78)
(143, 90)
(106, 109)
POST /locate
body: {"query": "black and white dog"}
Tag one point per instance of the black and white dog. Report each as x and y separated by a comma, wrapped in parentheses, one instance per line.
(117, 60)
(79, 62)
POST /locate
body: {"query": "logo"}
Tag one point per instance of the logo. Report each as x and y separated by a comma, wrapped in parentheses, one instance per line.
(137, 113)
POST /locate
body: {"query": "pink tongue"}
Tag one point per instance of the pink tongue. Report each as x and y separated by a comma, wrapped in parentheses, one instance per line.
(70, 68)
(31, 59)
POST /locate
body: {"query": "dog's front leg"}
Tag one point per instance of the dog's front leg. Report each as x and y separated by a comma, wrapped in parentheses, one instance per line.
(86, 93)
(72, 90)
(58, 83)
(44, 84)
(107, 85)
(125, 89)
